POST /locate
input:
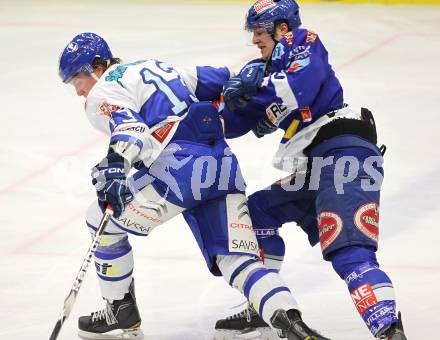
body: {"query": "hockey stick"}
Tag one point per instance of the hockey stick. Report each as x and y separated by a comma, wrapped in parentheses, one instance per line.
(70, 299)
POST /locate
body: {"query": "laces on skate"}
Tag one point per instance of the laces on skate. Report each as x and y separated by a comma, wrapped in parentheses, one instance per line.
(106, 313)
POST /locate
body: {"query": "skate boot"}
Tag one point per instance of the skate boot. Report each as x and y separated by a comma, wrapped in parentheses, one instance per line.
(118, 320)
(395, 332)
(244, 325)
(292, 326)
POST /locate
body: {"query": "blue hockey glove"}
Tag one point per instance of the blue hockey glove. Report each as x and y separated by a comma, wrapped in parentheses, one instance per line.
(239, 89)
(110, 180)
(264, 127)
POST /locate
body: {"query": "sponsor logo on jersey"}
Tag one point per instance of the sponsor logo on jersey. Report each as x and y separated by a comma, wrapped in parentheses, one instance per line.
(311, 37)
(300, 58)
(107, 109)
(130, 224)
(162, 133)
(135, 210)
(363, 298)
(289, 38)
(366, 220)
(266, 232)
(240, 226)
(278, 52)
(300, 52)
(263, 5)
(306, 114)
(276, 113)
(137, 128)
(243, 245)
(330, 226)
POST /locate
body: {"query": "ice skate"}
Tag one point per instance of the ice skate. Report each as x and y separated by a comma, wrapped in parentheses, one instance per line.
(292, 326)
(118, 320)
(395, 332)
(244, 325)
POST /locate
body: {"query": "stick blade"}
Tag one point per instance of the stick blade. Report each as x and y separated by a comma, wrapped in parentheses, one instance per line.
(56, 329)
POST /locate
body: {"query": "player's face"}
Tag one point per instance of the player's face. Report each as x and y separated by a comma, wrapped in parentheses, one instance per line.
(83, 83)
(263, 41)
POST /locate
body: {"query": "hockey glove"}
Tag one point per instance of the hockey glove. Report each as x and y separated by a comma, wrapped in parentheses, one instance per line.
(110, 180)
(239, 89)
(264, 127)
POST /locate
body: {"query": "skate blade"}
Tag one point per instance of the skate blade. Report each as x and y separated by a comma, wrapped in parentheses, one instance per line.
(262, 333)
(116, 334)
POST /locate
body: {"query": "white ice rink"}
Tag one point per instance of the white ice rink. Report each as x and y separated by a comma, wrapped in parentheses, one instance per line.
(387, 58)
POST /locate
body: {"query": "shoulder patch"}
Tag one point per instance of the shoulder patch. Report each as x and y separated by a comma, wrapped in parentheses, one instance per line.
(311, 37)
(107, 109)
(289, 37)
(278, 52)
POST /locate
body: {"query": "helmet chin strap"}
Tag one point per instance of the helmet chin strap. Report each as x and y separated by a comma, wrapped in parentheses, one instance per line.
(94, 76)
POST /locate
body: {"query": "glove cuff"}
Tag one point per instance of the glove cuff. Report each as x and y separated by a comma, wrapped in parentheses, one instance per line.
(128, 151)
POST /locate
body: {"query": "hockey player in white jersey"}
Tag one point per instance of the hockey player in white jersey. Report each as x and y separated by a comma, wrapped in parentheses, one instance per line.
(162, 126)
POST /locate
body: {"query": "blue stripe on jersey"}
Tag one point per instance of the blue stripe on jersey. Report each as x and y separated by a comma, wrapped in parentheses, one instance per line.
(253, 278)
(116, 278)
(114, 251)
(240, 268)
(127, 138)
(269, 295)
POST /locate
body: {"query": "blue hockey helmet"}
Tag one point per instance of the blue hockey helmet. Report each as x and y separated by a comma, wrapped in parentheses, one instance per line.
(79, 54)
(265, 13)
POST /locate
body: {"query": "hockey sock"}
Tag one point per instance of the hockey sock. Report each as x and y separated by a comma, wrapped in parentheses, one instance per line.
(272, 248)
(114, 264)
(262, 286)
(370, 288)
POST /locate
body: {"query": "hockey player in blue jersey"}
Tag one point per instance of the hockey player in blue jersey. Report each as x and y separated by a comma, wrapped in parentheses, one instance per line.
(330, 150)
(163, 127)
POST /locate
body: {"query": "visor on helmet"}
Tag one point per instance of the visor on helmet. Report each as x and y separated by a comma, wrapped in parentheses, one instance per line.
(269, 26)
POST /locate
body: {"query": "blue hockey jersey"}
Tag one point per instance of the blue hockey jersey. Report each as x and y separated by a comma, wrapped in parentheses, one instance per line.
(299, 87)
(298, 92)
